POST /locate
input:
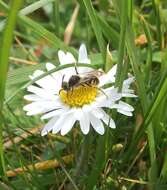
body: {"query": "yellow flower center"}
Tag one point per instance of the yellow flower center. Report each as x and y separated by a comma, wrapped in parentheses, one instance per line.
(79, 96)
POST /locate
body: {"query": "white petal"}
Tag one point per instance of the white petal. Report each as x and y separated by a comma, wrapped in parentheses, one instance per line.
(32, 97)
(129, 81)
(112, 97)
(35, 111)
(65, 58)
(108, 120)
(58, 125)
(39, 107)
(112, 71)
(49, 126)
(67, 73)
(102, 102)
(87, 108)
(83, 57)
(68, 124)
(70, 58)
(84, 70)
(124, 106)
(37, 73)
(127, 90)
(112, 123)
(105, 79)
(129, 95)
(56, 75)
(50, 66)
(127, 113)
(85, 123)
(109, 77)
(43, 105)
(97, 125)
(64, 123)
(78, 113)
(126, 85)
(32, 106)
(62, 57)
(98, 113)
(48, 83)
(41, 92)
(112, 93)
(53, 113)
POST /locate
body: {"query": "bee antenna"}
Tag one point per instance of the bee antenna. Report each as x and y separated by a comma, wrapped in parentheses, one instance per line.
(76, 68)
(62, 79)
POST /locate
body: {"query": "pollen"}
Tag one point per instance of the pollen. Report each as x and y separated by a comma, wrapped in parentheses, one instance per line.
(79, 96)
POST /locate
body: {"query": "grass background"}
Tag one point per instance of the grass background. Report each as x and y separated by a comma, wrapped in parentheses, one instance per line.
(132, 156)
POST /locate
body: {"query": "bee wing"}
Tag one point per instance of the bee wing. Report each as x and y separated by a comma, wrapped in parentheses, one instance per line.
(96, 73)
(84, 80)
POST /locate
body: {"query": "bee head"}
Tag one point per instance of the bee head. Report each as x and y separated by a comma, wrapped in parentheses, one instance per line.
(74, 79)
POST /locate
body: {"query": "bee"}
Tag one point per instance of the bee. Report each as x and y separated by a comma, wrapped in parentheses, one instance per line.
(86, 79)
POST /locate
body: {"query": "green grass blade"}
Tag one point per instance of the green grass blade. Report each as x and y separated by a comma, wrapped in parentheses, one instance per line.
(150, 50)
(96, 26)
(130, 10)
(121, 49)
(134, 58)
(163, 174)
(34, 6)
(56, 17)
(4, 55)
(155, 4)
(111, 34)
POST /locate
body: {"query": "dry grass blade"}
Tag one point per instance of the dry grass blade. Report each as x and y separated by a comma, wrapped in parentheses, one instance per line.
(25, 135)
(44, 165)
(31, 132)
(21, 45)
(70, 27)
(134, 180)
(18, 60)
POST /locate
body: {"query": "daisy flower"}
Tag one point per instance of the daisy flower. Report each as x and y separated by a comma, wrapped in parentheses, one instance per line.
(83, 103)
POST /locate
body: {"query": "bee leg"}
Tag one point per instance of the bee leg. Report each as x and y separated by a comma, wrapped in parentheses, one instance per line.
(60, 91)
(67, 94)
(72, 90)
(88, 84)
(82, 84)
